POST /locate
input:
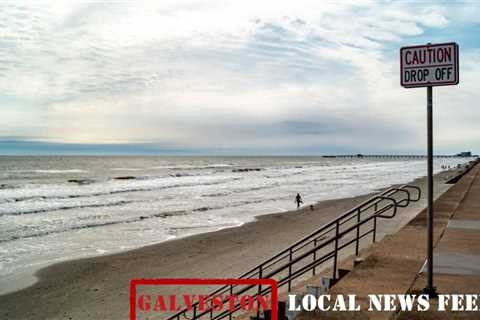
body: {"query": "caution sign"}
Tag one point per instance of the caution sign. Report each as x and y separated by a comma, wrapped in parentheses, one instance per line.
(429, 65)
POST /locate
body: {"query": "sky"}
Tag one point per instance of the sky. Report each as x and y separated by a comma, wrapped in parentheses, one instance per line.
(231, 77)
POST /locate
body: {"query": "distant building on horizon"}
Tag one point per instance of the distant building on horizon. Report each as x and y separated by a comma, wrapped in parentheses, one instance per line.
(464, 154)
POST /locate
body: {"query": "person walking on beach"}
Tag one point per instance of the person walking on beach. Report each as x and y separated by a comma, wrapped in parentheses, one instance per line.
(298, 200)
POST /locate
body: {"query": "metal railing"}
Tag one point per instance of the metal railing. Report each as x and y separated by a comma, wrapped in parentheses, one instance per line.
(308, 253)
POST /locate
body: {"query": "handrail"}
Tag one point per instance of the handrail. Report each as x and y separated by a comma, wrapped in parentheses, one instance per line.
(316, 238)
(375, 200)
(350, 212)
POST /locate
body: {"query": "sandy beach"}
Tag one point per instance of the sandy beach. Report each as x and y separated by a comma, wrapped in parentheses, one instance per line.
(98, 288)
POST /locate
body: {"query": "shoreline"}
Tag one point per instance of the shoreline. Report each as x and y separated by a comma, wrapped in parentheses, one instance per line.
(97, 281)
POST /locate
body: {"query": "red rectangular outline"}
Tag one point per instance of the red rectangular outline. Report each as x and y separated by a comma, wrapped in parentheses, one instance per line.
(189, 281)
(450, 83)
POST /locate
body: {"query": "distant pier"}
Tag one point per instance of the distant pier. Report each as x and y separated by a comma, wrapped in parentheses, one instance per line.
(395, 156)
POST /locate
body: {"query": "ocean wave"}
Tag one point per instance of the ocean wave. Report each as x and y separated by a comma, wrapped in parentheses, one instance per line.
(51, 171)
(237, 204)
(181, 174)
(165, 214)
(194, 167)
(67, 207)
(217, 194)
(241, 190)
(217, 227)
(118, 191)
(51, 208)
(5, 186)
(282, 175)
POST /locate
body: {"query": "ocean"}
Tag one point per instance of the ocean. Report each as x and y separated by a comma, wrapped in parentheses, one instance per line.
(58, 208)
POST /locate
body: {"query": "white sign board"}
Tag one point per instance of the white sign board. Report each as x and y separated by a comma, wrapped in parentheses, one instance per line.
(429, 65)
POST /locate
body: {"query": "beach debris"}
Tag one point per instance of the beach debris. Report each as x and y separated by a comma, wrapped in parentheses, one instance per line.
(246, 169)
(201, 209)
(81, 181)
(125, 178)
(178, 175)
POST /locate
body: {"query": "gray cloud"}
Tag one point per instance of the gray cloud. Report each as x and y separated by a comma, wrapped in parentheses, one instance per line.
(217, 75)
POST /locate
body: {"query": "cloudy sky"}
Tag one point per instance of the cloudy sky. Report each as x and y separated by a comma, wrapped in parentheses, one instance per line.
(231, 77)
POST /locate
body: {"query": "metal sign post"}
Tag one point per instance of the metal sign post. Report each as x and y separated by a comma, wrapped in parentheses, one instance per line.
(430, 289)
(427, 66)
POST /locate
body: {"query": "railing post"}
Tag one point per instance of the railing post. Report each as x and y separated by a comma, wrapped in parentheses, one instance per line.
(358, 233)
(194, 312)
(337, 226)
(374, 227)
(314, 253)
(231, 294)
(290, 270)
(259, 291)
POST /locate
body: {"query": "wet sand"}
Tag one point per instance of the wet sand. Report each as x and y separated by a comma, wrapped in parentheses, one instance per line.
(98, 288)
